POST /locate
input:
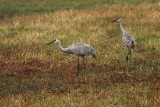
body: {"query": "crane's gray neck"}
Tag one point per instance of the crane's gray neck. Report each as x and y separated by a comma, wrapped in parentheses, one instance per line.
(61, 48)
(121, 27)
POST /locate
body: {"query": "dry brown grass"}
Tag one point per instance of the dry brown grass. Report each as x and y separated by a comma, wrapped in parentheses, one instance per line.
(33, 74)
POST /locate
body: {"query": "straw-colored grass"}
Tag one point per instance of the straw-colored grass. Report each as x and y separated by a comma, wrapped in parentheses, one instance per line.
(34, 74)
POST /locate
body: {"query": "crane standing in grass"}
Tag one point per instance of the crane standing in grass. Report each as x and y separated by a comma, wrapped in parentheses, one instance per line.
(79, 49)
(127, 38)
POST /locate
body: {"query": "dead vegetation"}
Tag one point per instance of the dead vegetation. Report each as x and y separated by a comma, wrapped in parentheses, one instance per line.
(33, 74)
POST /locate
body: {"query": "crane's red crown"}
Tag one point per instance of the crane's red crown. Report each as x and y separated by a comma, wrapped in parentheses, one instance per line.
(54, 40)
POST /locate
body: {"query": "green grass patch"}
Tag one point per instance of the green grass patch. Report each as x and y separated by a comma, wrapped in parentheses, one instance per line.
(35, 74)
(10, 8)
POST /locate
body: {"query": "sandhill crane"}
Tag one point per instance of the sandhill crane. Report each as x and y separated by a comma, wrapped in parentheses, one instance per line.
(78, 49)
(127, 38)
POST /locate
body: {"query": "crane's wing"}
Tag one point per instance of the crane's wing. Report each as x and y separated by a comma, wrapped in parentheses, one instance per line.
(81, 49)
(128, 39)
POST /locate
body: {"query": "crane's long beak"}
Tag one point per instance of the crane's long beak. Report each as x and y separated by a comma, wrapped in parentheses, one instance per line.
(114, 20)
(49, 43)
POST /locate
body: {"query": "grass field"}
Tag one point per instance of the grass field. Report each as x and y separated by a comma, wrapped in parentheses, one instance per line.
(34, 74)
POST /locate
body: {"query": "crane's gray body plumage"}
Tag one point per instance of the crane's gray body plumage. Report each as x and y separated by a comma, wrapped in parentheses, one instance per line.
(78, 49)
(81, 49)
(127, 38)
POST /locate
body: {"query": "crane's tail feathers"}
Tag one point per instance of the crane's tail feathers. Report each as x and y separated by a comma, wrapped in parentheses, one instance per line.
(94, 56)
(93, 53)
(133, 45)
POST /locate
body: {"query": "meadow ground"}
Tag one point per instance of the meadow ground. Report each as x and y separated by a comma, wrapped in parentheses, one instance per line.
(34, 74)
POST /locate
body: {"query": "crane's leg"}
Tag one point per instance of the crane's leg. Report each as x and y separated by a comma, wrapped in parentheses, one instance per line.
(127, 57)
(78, 66)
(84, 67)
(129, 53)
